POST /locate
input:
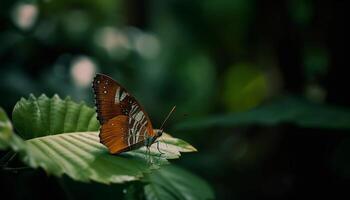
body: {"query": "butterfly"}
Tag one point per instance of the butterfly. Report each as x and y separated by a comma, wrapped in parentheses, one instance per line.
(124, 123)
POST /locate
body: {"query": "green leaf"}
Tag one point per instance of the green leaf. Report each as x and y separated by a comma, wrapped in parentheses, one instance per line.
(36, 117)
(81, 156)
(284, 110)
(7, 138)
(5, 129)
(62, 139)
(172, 182)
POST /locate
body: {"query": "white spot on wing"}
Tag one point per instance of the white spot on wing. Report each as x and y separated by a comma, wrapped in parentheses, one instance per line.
(137, 136)
(139, 116)
(116, 98)
(124, 94)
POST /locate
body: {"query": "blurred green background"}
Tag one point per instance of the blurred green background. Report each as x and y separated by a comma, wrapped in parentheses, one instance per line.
(215, 60)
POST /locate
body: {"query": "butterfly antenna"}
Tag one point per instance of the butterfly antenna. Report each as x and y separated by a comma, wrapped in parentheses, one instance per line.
(167, 117)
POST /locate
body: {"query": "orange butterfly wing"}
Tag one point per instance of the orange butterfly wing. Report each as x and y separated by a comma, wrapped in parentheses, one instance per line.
(124, 124)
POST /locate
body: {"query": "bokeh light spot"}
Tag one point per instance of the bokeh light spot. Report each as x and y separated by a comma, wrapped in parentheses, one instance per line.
(245, 87)
(147, 45)
(83, 70)
(114, 41)
(25, 15)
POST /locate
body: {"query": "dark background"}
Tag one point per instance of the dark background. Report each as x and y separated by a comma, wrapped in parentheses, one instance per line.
(208, 58)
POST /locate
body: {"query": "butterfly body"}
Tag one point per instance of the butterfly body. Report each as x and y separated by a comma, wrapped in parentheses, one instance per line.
(124, 123)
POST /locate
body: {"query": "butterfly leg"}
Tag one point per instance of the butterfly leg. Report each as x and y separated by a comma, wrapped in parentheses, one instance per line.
(149, 156)
(161, 153)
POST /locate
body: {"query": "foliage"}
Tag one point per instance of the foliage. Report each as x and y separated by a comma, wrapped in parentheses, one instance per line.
(172, 182)
(284, 110)
(211, 59)
(62, 138)
(5, 129)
